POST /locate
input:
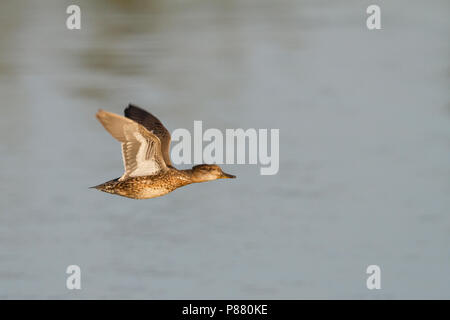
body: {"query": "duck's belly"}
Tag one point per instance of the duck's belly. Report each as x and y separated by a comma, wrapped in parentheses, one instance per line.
(148, 193)
(145, 187)
(142, 193)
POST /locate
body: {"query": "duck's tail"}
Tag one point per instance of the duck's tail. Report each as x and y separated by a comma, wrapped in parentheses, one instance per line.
(105, 186)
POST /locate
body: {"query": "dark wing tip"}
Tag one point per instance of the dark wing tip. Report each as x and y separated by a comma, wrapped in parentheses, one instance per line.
(134, 112)
(131, 107)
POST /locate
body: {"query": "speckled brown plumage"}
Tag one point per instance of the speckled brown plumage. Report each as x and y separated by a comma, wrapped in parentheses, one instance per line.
(145, 187)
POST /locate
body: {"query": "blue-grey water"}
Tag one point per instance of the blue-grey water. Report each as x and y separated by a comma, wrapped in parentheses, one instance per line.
(364, 119)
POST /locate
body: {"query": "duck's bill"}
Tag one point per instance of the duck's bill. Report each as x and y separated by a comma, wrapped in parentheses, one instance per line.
(228, 176)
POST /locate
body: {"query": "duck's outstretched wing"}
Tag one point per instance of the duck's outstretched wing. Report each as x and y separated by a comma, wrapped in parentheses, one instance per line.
(141, 149)
(151, 123)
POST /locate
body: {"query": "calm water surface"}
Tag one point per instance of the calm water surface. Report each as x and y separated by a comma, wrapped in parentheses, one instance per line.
(364, 121)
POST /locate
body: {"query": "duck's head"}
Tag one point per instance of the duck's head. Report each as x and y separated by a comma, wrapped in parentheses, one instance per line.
(208, 172)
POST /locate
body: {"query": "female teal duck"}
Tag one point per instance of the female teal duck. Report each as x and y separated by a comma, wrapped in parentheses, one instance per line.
(145, 150)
